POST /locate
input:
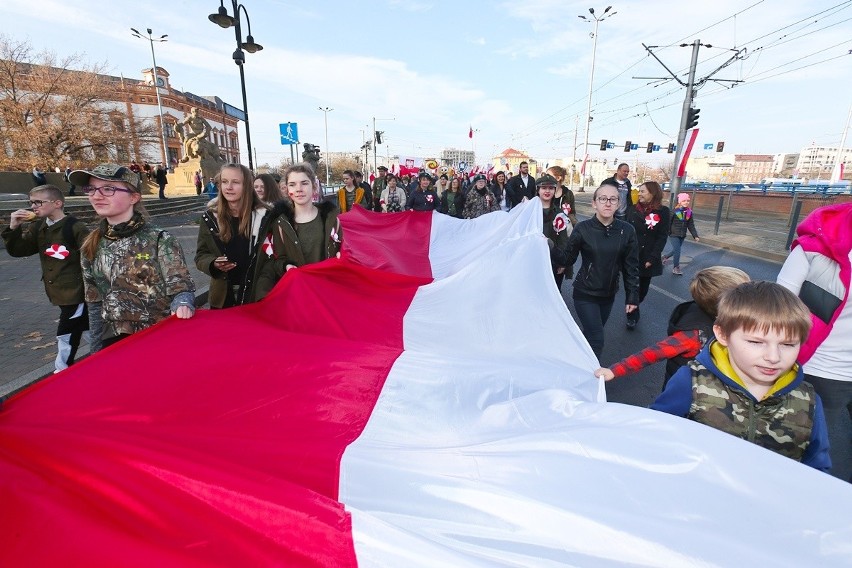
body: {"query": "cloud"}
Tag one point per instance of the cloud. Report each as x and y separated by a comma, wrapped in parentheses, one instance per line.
(410, 5)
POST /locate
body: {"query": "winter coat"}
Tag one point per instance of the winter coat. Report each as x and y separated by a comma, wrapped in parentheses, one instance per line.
(682, 221)
(59, 254)
(477, 204)
(652, 235)
(607, 252)
(207, 250)
(557, 228)
(284, 247)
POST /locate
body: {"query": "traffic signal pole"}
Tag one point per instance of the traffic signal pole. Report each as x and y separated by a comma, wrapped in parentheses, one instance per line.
(684, 117)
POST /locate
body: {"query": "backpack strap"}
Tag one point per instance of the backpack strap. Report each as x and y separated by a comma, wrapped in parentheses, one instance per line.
(68, 233)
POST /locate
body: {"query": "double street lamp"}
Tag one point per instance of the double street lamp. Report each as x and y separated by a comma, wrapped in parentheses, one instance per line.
(224, 20)
(151, 40)
(597, 20)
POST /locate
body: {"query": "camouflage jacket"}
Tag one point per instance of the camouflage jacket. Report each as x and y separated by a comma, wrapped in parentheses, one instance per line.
(789, 421)
(136, 278)
(476, 205)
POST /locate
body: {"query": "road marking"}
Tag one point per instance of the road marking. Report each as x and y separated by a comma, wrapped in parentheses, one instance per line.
(665, 292)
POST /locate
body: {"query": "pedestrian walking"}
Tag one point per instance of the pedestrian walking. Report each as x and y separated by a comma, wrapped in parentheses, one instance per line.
(650, 219)
(557, 227)
(682, 221)
(44, 229)
(135, 274)
(162, 179)
(819, 271)
(609, 249)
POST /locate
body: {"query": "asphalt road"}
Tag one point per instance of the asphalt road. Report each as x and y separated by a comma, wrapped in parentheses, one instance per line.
(666, 292)
(28, 321)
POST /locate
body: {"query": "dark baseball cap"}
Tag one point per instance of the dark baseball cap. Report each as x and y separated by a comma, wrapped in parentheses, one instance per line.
(382, 168)
(106, 172)
(546, 179)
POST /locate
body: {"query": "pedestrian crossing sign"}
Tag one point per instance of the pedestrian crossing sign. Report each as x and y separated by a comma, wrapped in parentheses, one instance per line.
(289, 133)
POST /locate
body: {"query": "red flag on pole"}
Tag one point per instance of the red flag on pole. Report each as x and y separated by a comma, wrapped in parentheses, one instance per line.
(470, 134)
(682, 166)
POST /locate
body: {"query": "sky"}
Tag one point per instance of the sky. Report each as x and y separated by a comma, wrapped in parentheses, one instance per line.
(515, 72)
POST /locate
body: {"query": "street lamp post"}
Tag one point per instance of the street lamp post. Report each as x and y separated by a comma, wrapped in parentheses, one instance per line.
(597, 19)
(151, 40)
(325, 111)
(224, 20)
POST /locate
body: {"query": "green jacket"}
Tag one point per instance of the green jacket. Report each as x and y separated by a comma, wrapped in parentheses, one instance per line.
(60, 260)
(285, 244)
(264, 219)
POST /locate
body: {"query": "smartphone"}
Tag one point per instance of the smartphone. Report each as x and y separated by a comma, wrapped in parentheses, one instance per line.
(222, 259)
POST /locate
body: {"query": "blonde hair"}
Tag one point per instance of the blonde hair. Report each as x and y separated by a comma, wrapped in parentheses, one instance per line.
(249, 201)
(52, 192)
(764, 306)
(709, 284)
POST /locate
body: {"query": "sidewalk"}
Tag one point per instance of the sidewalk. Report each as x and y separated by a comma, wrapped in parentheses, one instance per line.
(28, 320)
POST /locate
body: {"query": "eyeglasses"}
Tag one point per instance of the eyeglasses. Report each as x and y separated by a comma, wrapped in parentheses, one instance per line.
(106, 191)
(605, 200)
(39, 202)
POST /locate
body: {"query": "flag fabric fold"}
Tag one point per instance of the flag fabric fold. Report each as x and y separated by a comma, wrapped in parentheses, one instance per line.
(425, 400)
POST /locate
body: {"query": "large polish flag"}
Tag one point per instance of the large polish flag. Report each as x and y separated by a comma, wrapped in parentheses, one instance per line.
(426, 400)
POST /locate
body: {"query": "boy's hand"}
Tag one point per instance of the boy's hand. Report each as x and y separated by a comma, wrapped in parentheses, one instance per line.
(605, 374)
(21, 216)
(184, 312)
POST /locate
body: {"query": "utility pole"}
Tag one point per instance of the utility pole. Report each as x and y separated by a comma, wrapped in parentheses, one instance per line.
(837, 172)
(691, 86)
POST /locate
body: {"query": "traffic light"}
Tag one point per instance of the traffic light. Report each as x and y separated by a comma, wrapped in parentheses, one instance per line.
(720, 146)
(379, 136)
(603, 144)
(650, 147)
(627, 146)
(671, 147)
(692, 118)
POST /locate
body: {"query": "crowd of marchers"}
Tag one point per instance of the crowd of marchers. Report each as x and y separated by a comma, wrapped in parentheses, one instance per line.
(738, 353)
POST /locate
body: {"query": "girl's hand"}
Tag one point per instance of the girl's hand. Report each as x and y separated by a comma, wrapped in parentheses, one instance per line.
(605, 374)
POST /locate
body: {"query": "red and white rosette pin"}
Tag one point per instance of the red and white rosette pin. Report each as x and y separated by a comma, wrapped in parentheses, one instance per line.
(559, 223)
(566, 208)
(267, 245)
(59, 252)
(651, 220)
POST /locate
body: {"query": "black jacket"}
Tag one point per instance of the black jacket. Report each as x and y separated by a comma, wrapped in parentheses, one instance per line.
(517, 191)
(607, 251)
(652, 234)
(423, 200)
(688, 316)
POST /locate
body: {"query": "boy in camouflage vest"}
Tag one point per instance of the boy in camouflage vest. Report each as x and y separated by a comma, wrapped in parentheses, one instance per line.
(746, 381)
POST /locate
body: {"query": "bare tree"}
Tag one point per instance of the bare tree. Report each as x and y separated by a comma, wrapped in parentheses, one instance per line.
(57, 112)
(339, 165)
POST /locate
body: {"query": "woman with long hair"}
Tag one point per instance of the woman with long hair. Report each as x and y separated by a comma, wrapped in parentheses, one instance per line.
(267, 189)
(308, 232)
(134, 273)
(557, 227)
(650, 220)
(234, 239)
(500, 190)
(564, 197)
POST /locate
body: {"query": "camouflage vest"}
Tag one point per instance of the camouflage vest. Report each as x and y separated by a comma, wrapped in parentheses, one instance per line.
(781, 423)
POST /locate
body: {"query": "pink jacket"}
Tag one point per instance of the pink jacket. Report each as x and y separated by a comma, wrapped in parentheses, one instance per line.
(827, 231)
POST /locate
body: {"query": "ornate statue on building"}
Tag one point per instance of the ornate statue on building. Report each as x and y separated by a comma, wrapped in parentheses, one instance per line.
(311, 154)
(193, 131)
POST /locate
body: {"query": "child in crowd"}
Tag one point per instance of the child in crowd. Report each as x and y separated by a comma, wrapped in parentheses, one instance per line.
(690, 325)
(56, 238)
(134, 273)
(746, 381)
(681, 222)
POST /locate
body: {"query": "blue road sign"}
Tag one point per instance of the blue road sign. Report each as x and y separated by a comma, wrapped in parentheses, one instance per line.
(656, 148)
(610, 145)
(708, 146)
(634, 146)
(289, 133)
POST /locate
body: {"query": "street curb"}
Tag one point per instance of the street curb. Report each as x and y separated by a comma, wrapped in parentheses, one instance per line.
(201, 296)
(757, 253)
